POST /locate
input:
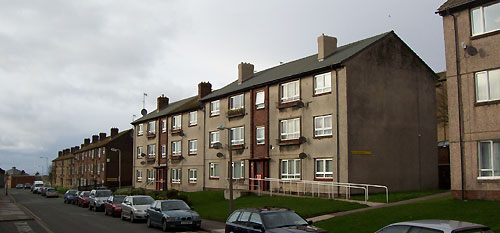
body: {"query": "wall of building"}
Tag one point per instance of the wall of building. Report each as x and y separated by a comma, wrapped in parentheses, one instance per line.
(142, 163)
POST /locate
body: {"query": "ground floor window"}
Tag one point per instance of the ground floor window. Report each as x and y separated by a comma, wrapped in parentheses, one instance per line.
(324, 168)
(489, 158)
(193, 175)
(239, 170)
(214, 170)
(139, 175)
(151, 175)
(290, 169)
(176, 175)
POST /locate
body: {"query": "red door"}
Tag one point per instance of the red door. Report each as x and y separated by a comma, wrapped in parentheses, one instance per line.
(258, 172)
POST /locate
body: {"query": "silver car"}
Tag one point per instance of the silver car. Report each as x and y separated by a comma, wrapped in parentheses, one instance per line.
(435, 226)
(134, 207)
(98, 198)
(51, 192)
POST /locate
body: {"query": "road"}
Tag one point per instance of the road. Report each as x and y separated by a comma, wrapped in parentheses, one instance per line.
(60, 217)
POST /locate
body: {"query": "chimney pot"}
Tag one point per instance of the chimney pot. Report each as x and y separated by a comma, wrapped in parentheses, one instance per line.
(327, 45)
(161, 102)
(245, 72)
(114, 132)
(95, 138)
(204, 88)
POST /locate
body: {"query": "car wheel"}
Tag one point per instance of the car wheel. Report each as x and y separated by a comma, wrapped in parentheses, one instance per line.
(132, 219)
(148, 222)
(164, 225)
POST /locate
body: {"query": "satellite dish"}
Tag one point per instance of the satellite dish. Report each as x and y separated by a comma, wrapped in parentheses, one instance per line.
(299, 104)
(143, 155)
(142, 162)
(181, 134)
(302, 155)
(471, 50)
(217, 145)
(302, 139)
(144, 112)
(220, 155)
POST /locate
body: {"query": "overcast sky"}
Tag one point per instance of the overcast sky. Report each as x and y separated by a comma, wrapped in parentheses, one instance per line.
(71, 69)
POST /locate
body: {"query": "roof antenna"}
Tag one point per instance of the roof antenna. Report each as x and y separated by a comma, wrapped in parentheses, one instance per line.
(144, 111)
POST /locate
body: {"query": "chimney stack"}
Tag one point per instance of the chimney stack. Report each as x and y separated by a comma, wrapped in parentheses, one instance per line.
(245, 71)
(114, 132)
(86, 141)
(102, 136)
(77, 148)
(95, 138)
(60, 153)
(66, 151)
(327, 45)
(73, 150)
(204, 88)
(161, 102)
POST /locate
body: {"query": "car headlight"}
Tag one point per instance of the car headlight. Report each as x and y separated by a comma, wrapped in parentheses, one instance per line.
(172, 218)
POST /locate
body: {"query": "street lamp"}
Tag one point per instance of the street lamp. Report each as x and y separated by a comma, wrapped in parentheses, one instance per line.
(119, 166)
(229, 148)
(47, 162)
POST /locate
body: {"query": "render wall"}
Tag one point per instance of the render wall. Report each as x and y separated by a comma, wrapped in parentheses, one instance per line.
(142, 163)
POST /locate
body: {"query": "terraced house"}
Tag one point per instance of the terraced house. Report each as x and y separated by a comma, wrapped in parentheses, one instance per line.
(63, 168)
(362, 113)
(472, 44)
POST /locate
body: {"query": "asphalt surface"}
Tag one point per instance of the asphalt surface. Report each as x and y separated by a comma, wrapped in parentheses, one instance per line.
(59, 217)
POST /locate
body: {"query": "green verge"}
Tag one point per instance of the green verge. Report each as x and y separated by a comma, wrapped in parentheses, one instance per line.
(61, 190)
(212, 205)
(397, 196)
(476, 211)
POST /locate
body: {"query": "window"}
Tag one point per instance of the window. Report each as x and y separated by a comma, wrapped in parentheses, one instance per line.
(488, 85)
(290, 169)
(151, 175)
(485, 19)
(99, 153)
(152, 127)
(324, 168)
(236, 102)
(193, 146)
(323, 126)
(237, 136)
(164, 126)
(98, 169)
(104, 150)
(259, 100)
(290, 129)
(151, 151)
(489, 159)
(176, 148)
(290, 91)
(92, 154)
(214, 138)
(214, 170)
(163, 151)
(239, 170)
(176, 122)
(322, 83)
(260, 135)
(139, 129)
(192, 176)
(215, 108)
(176, 175)
(193, 118)
(102, 167)
(139, 152)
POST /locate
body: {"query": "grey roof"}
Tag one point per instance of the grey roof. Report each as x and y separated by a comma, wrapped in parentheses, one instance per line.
(183, 104)
(297, 67)
(446, 226)
(457, 5)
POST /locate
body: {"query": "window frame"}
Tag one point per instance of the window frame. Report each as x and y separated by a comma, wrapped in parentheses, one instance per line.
(212, 170)
(290, 133)
(163, 151)
(212, 111)
(139, 152)
(492, 159)
(176, 152)
(164, 125)
(263, 139)
(140, 129)
(176, 124)
(289, 99)
(263, 104)
(231, 101)
(195, 151)
(324, 173)
(151, 127)
(138, 174)
(242, 166)
(150, 175)
(239, 141)
(288, 175)
(210, 137)
(153, 146)
(483, 22)
(325, 89)
(195, 122)
(323, 129)
(192, 180)
(476, 87)
(178, 175)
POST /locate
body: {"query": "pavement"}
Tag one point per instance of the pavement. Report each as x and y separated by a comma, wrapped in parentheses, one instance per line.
(10, 211)
(15, 218)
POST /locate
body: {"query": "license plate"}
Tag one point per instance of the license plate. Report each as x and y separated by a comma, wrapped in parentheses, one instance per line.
(186, 222)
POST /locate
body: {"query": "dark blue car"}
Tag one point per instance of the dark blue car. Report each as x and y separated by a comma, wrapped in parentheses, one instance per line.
(170, 214)
(69, 196)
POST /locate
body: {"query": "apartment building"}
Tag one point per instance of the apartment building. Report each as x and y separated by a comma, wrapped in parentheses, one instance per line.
(63, 168)
(105, 161)
(471, 34)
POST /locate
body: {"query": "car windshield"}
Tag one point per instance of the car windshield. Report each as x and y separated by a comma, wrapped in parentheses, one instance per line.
(143, 200)
(174, 205)
(118, 199)
(86, 194)
(51, 190)
(103, 193)
(38, 185)
(282, 219)
(72, 192)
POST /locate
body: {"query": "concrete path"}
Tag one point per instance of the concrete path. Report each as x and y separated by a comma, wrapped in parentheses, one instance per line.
(9, 211)
(328, 216)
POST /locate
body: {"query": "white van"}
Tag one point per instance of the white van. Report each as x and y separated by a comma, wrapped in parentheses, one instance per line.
(37, 186)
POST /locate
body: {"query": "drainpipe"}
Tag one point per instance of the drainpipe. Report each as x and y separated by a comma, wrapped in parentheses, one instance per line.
(204, 149)
(337, 113)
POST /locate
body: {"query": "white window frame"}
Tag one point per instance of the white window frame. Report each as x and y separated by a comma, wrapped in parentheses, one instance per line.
(241, 164)
(140, 130)
(164, 126)
(214, 170)
(234, 132)
(260, 97)
(287, 97)
(324, 130)
(176, 175)
(260, 140)
(489, 86)
(192, 175)
(163, 151)
(177, 122)
(98, 169)
(211, 137)
(193, 149)
(236, 102)
(215, 108)
(99, 153)
(151, 127)
(151, 150)
(285, 133)
(151, 175)
(176, 148)
(193, 118)
(139, 152)
(323, 174)
(286, 174)
(326, 83)
(480, 10)
(493, 159)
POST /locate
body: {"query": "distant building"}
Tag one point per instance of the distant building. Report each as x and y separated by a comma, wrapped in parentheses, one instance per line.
(15, 172)
(2, 178)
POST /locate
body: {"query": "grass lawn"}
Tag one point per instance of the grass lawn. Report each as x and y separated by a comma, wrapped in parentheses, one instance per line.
(211, 204)
(396, 196)
(476, 211)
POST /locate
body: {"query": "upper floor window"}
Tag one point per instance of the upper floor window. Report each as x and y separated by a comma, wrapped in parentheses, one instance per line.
(322, 83)
(290, 129)
(239, 170)
(151, 127)
(139, 129)
(489, 159)
(151, 151)
(215, 108)
(259, 100)
(164, 126)
(214, 137)
(176, 148)
(176, 122)
(193, 118)
(260, 135)
(324, 168)
(139, 152)
(290, 91)
(323, 126)
(236, 102)
(488, 85)
(237, 136)
(163, 151)
(193, 146)
(485, 19)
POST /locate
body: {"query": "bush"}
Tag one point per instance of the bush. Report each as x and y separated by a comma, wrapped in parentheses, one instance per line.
(61, 190)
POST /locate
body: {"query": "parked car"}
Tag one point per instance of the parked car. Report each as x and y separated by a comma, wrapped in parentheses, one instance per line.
(435, 226)
(169, 214)
(268, 220)
(19, 186)
(75, 199)
(51, 192)
(97, 198)
(83, 199)
(27, 186)
(43, 190)
(113, 205)
(69, 196)
(134, 207)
